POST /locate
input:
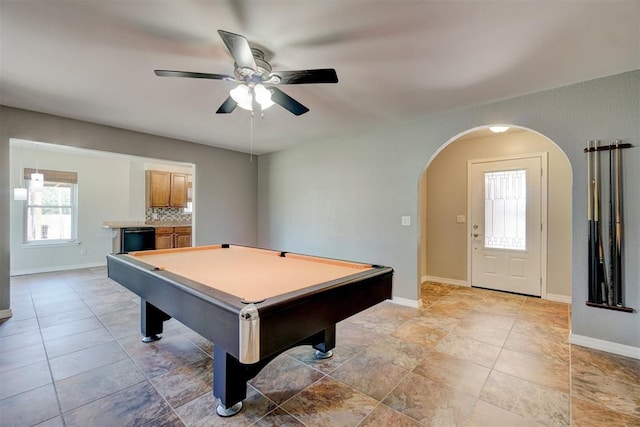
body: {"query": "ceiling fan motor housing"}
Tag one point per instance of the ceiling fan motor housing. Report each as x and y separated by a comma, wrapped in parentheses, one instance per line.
(260, 74)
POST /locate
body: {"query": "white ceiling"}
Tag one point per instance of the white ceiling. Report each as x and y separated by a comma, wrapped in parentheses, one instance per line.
(396, 60)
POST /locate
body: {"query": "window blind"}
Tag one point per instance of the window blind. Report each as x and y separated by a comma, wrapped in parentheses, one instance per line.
(53, 176)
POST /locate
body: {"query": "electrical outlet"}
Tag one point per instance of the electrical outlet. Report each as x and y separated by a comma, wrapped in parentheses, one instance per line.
(83, 251)
(405, 221)
(461, 219)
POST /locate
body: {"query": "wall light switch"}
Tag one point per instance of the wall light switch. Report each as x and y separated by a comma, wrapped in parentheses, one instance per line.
(405, 221)
(460, 219)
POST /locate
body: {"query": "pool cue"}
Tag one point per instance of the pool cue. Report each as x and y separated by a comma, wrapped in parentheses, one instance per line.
(618, 228)
(591, 254)
(601, 285)
(612, 225)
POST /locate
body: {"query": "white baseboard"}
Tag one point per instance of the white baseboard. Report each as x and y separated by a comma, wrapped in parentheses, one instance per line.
(444, 280)
(407, 302)
(56, 268)
(558, 298)
(6, 313)
(609, 347)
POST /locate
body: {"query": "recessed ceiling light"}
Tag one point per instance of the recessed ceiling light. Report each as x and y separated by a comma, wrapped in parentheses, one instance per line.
(498, 129)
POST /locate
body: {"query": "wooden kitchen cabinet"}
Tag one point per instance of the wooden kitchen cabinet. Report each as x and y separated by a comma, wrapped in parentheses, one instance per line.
(182, 237)
(164, 237)
(173, 237)
(166, 189)
(179, 190)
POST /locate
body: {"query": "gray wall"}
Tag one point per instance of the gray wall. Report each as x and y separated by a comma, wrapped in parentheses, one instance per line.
(344, 197)
(226, 180)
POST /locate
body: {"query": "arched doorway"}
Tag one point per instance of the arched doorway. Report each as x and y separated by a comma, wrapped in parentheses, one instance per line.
(445, 240)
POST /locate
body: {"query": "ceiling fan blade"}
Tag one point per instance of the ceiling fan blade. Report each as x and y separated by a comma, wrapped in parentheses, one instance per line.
(287, 102)
(239, 48)
(324, 75)
(168, 73)
(227, 106)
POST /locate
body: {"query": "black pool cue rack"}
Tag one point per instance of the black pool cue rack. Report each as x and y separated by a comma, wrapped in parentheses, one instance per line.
(605, 283)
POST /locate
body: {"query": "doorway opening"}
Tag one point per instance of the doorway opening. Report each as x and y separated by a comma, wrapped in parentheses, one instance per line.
(446, 220)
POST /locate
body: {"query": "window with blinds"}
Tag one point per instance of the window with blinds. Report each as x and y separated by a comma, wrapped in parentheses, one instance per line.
(52, 209)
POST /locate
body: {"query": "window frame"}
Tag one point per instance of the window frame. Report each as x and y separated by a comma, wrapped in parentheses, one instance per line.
(52, 178)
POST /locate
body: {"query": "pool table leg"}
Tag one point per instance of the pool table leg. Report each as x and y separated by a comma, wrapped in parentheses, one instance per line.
(151, 319)
(324, 342)
(230, 376)
(229, 382)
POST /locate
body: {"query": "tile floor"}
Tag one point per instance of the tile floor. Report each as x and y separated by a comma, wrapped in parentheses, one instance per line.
(72, 355)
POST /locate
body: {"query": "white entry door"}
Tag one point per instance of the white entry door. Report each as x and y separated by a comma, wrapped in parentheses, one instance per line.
(506, 223)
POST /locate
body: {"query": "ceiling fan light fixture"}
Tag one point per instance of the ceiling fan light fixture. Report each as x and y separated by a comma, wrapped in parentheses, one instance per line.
(19, 193)
(263, 96)
(37, 181)
(498, 129)
(242, 95)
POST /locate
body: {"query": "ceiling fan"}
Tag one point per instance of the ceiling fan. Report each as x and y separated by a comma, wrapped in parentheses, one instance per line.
(256, 80)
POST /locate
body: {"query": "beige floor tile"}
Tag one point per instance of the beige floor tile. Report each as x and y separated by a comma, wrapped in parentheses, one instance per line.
(450, 307)
(533, 368)
(278, 418)
(201, 412)
(502, 306)
(381, 379)
(398, 352)
(539, 345)
(556, 320)
(542, 305)
(486, 334)
(384, 416)
(541, 330)
(504, 296)
(545, 405)
(418, 333)
(438, 321)
(587, 414)
(330, 403)
(493, 320)
(477, 293)
(185, 383)
(457, 373)
(428, 300)
(430, 402)
(487, 415)
(469, 349)
(284, 377)
(433, 288)
(606, 364)
(605, 391)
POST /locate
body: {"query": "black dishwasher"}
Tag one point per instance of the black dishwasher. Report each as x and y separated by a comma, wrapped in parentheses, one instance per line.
(137, 239)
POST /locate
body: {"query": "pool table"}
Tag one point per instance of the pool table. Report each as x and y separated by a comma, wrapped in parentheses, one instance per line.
(253, 304)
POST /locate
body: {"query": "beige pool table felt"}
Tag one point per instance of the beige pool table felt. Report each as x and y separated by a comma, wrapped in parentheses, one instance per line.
(248, 273)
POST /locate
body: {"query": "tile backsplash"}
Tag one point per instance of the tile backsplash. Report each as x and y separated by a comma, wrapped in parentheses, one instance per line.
(167, 215)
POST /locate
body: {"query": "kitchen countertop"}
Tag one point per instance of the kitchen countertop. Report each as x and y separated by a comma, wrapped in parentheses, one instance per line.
(125, 224)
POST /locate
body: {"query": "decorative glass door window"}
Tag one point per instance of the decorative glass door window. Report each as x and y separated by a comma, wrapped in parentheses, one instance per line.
(505, 208)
